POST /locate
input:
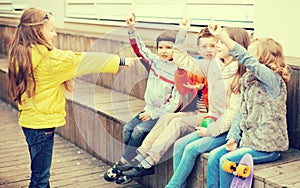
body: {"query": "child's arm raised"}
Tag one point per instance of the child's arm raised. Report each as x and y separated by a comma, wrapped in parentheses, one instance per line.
(137, 43)
(270, 80)
(217, 31)
(180, 56)
(131, 22)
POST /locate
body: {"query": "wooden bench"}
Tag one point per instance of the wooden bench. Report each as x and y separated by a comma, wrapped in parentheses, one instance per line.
(95, 119)
(101, 122)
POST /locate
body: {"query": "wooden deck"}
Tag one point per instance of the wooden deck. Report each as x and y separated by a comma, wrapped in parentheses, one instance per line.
(72, 167)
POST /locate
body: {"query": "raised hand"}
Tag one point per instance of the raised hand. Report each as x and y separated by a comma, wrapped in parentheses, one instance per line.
(185, 24)
(130, 21)
(214, 29)
(217, 31)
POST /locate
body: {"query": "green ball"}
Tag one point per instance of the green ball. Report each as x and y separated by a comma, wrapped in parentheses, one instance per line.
(206, 121)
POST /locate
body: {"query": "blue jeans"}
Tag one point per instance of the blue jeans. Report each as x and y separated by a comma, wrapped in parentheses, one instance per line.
(40, 146)
(219, 178)
(186, 151)
(134, 133)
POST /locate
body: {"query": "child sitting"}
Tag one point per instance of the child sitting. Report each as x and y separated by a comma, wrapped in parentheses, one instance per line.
(260, 127)
(161, 97)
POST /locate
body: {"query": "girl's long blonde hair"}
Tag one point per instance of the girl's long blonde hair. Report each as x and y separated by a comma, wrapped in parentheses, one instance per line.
(270, 53)
(242, 37)
(20, 69)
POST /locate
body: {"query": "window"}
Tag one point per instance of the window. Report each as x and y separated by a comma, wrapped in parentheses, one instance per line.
(158, 13)
(98, 9)
(12, 8)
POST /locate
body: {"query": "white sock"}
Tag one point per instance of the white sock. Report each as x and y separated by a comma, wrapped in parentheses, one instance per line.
(146, 164)
(140, 157)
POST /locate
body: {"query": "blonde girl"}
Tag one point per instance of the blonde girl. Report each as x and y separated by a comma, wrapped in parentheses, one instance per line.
(260, 127)
(38, 76)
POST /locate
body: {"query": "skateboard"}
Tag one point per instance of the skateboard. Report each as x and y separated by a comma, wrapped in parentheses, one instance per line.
(243, 173)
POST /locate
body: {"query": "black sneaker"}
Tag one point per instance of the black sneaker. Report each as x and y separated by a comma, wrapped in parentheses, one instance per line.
(123, 179)
(113, 173)
(128, 166)
(139, 171)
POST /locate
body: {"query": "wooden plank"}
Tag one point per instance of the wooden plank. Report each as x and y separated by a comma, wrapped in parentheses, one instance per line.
(124, 106)
(162, 173)
(92, 136)
(102, 144)
(118, 138)
(23, 183)
(68, 130)
(283, 175)
(293, 107)
(293, 62)
(70, 177)
(258, 184)
(110, 146)
(170, 169)
(80, 126)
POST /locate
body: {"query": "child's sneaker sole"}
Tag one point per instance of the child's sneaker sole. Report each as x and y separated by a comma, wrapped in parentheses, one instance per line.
(123, 179)
(112, 174)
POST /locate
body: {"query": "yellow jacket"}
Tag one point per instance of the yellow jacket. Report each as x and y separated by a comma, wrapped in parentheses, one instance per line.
(46, 109)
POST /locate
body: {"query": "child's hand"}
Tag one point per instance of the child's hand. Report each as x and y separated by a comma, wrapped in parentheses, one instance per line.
(131, 22)
(217, 31)
(214, 28)
(130, 61)
(145, 116)
(191, 86)
(199, 86)
(185, 24)
(202, 131)
(231, 145)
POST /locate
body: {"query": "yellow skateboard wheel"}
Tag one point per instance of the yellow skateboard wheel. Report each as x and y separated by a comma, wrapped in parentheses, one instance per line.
(243, 171)
(229, 166)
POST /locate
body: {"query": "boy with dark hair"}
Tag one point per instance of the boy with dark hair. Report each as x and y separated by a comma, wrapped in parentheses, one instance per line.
(160, 95)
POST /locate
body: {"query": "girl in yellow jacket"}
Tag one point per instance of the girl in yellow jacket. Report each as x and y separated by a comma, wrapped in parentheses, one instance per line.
(39, 74)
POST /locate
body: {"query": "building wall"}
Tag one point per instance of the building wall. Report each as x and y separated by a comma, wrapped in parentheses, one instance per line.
(272, 18)
(280, 20)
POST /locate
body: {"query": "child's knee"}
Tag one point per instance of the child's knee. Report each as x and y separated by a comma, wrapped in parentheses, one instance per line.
(177, 146)
(138, 135)
(192, 150)
(213, 157)
(223, 159)
(126, 135)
